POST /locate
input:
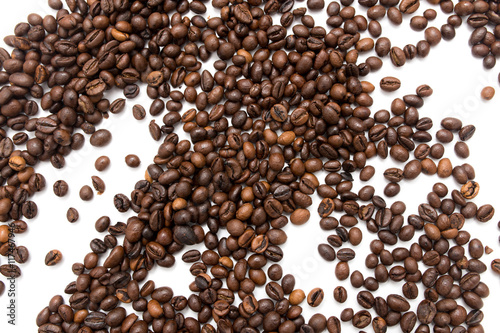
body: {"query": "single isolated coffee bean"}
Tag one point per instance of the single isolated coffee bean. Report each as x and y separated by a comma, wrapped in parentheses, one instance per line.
(102, 163)
(315, 297)
(487, 93)
(86, 193)
(390, 83)
(98, 184)
(53, 257)
(60, 188)
(132, 160)
(72, 215)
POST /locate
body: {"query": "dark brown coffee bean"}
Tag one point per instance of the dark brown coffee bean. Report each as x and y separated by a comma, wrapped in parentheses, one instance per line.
(86, 193)
(102, 163)
(72, 215)
(361, 319)
(100, 138)
(98, 184)
(390, 83)
(60, 188)
(326, 252)
(132, 161)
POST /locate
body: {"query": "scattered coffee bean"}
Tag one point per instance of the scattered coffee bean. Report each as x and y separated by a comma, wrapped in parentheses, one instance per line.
(98, 185)
(340, 294)
(60, 188)
(53, 257)
(132, 161)
(86, 193)
(487, 93)
(72, 215)
(390, 83)
(102, 163)
(315, 297)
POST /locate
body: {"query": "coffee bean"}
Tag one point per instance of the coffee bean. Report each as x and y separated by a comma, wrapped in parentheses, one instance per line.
(398, 57)
(487, 93)
(470, 190)
(390, 83)
(60, 188)
(100, 138)
(333, 325)
(340, 294)
(86, 193)
(10, 271)
(315, 297)
(346, 254)
(485, 213)
(495, 266)
(72, 215)
(462, 150)
(342, 270)
(300, 216)
(138, 112)
(466, 132)
(102, 223)
(132, 161)
(98, 185)
(361, 319)
(53, 257)
(102, 163)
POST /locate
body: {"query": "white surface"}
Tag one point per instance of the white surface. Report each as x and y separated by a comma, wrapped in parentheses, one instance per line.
(457, 79)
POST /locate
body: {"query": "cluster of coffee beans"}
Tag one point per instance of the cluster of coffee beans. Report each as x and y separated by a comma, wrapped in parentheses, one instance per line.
(279, 108)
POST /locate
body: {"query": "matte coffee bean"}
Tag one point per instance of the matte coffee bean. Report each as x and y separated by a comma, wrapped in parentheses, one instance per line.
(390, 83)
(53, 257)
(86, 193)
(72, 215)
(60, 188)
(100, 138)
(98, 184)
(487, 93)
(102, 163)
(340, 294)
(326, 252)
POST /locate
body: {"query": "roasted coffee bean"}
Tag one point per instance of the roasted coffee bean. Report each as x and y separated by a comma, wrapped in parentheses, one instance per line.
(98, 184)
(361, 319)
(53, 257)
(100, 138)
(487, 93)
(315, 297)
(326, 252)
(495, 266)
(340, 294)
(470, 190)
(102, 163)
(346, 254)
(132, 161)
(72, 215)
(60, 188)
(390, 83)
(86, 193)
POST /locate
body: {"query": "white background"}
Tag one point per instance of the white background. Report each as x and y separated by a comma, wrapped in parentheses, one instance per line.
(457, 79)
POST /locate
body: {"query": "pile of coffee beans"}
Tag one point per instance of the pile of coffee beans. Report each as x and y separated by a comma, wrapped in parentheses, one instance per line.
(286, 100)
